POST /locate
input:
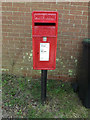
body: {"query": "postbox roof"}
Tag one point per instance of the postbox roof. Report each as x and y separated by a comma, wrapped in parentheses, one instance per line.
(45, 16)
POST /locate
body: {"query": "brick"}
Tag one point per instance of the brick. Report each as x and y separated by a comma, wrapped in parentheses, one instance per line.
(85, 13)
(18, 22)
(85, 3)
(15, 9)
(18, 14)
(4, 17)
(6, 13)
(81, 17)
(27, 9)
(77, 3)
(7, 4)
(84, 22)
(82, 8)
(75, 21)
(73, 8)
(18, 4)
(13, 34)
(59, 7)
(66, 8)
(4, 34)
(22, 9)
(69, 17)
(16, 17)
(76, 12)
(6, 22)
(29, 4)
(6, 30)
(64, 12)
(7, 9)
(9, 18)
(18, 30)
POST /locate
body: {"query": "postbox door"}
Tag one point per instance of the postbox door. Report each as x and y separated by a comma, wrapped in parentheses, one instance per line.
(51, 49)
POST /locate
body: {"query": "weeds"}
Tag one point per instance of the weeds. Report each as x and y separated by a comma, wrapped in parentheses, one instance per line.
(22, 98)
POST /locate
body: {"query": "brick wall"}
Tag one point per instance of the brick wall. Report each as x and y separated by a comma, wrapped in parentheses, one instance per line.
(17, 37)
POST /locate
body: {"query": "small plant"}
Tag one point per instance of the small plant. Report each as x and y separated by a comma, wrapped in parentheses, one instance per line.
(19, 112)
(62, 85)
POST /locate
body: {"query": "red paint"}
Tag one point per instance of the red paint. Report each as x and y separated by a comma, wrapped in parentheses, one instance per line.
(44, 24)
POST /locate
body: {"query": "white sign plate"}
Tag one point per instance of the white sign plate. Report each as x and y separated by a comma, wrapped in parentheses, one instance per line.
(44, 51)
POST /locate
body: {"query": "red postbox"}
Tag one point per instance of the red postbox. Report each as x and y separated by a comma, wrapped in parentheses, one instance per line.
(44, 34)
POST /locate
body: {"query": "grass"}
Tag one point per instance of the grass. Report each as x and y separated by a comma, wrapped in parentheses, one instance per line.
(22, 99)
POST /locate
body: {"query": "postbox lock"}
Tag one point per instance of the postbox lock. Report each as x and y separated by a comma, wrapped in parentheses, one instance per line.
(44, 38)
